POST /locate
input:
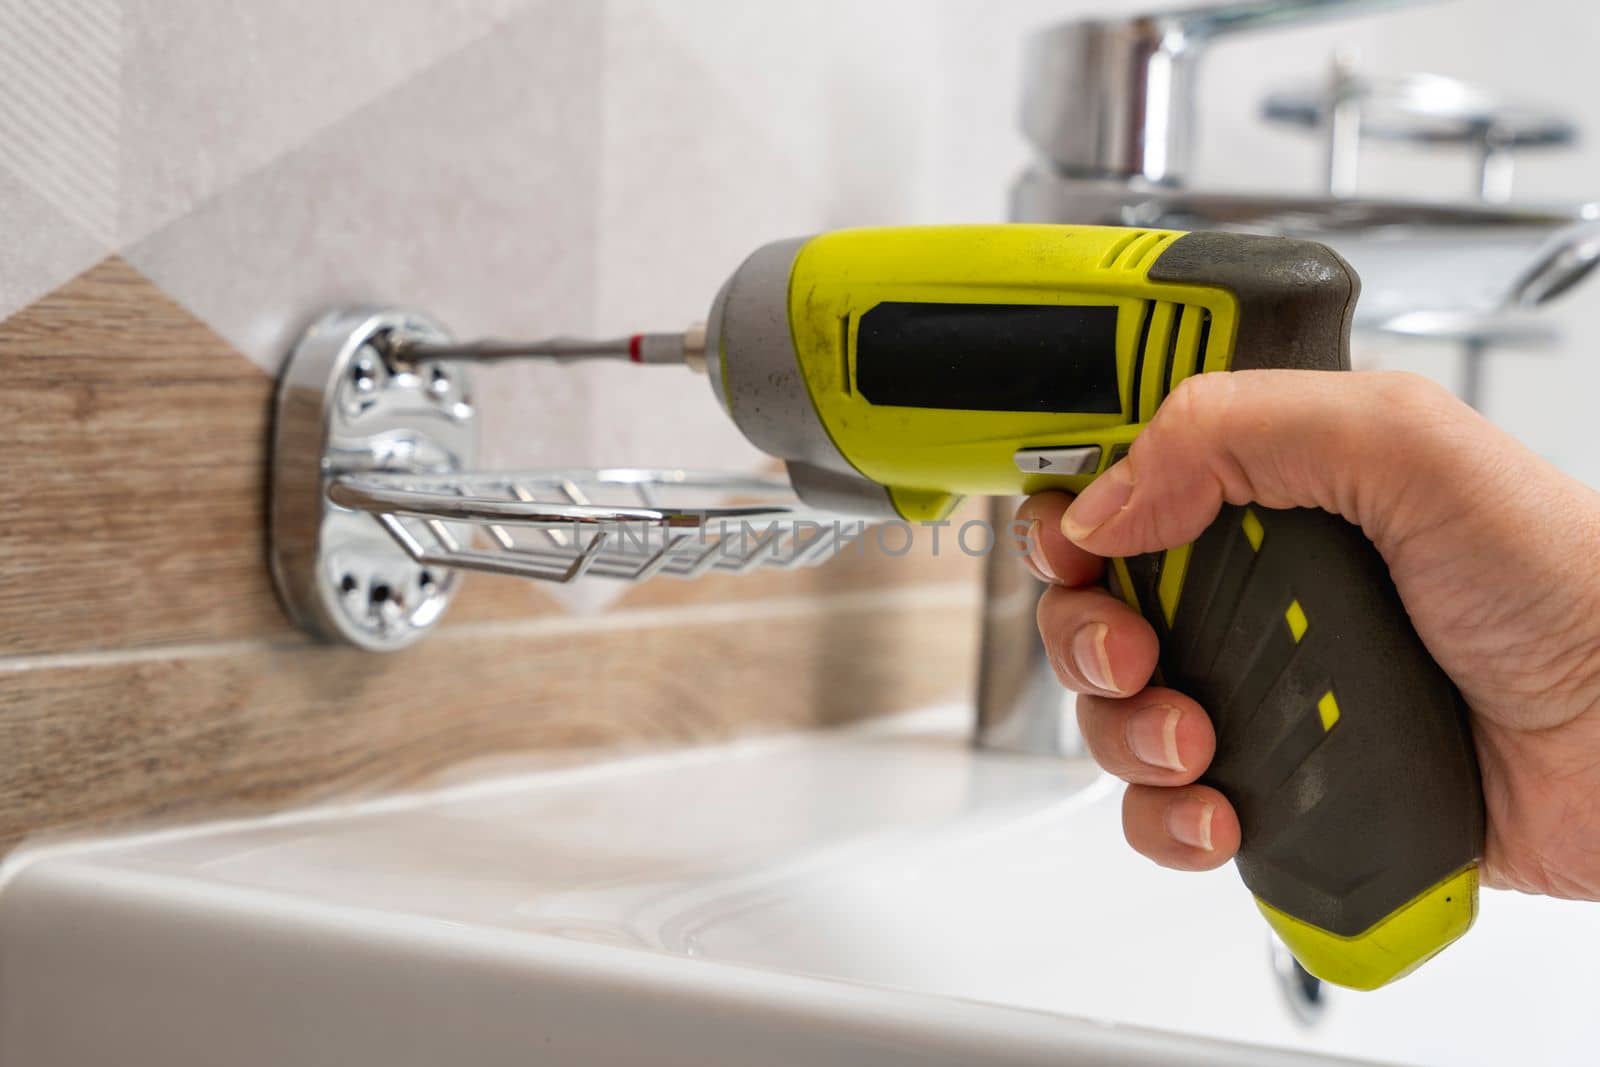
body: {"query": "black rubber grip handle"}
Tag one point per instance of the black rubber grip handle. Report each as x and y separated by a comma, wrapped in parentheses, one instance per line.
(1341, 743)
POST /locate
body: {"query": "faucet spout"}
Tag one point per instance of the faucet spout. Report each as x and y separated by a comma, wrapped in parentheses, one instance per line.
(1020, 704)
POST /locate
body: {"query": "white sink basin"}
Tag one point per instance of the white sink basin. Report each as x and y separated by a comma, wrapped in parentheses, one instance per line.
(876, 896)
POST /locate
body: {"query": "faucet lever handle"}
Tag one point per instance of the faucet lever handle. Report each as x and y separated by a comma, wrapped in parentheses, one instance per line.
(1114, 98)
(1215, 20)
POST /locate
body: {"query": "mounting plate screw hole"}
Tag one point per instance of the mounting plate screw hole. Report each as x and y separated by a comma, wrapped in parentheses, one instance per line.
(364, 374)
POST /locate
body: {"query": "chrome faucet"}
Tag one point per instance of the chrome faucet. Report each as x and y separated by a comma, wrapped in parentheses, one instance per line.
(1115, 98)
(1108, 105)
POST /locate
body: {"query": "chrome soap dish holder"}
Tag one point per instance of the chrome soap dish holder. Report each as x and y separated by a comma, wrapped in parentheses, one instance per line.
(376, 507)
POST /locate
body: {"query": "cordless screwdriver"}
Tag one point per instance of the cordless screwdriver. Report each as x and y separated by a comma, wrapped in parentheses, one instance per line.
(895, 371)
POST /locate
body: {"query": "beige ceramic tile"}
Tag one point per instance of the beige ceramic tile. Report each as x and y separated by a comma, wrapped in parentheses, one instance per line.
(729, 125)
(59, 114)
(212, 92)
(60, 108)
(44, 248)
(467, 192)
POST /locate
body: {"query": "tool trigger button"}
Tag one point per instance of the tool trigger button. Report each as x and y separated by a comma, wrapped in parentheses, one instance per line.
(1079, 459)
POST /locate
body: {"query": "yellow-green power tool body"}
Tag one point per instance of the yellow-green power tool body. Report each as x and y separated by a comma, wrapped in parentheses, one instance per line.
(896, 370)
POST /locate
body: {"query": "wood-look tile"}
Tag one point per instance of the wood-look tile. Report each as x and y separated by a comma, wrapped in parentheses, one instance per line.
(250, 728)
(134, 482)
(147, 673)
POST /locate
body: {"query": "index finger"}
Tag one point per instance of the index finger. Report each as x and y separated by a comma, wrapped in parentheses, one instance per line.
(1051, 556)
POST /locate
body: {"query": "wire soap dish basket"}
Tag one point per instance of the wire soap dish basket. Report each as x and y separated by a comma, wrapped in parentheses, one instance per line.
(578, 527)
(376, 507)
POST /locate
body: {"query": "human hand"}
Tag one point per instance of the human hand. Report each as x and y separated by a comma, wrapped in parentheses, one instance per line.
(1494, 552)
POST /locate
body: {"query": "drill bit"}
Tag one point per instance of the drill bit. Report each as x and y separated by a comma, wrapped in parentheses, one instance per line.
(688, 347)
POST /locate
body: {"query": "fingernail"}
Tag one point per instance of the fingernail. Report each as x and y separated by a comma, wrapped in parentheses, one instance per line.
(1105, 496)
(1036, 552)
(1089, 655)
(1189, 821)
(1153, 737)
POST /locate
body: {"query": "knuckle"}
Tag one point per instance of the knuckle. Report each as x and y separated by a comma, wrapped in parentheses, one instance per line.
(1426, 423)
(1410, 390)
(1416, 404)
(1182, 456)
(1190, 423)
(1200, 400)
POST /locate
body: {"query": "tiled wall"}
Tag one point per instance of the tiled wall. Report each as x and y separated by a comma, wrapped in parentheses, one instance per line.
(183, 185)
(146, 671)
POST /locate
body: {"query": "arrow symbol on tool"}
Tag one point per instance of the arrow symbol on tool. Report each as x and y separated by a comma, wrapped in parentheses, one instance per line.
(1043, 463)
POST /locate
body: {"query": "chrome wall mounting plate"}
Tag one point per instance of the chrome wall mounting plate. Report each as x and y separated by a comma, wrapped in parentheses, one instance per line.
(376, 508)
(343, 407)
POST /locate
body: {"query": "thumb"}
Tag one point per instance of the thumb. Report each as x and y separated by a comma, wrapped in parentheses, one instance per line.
(1349, 443)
